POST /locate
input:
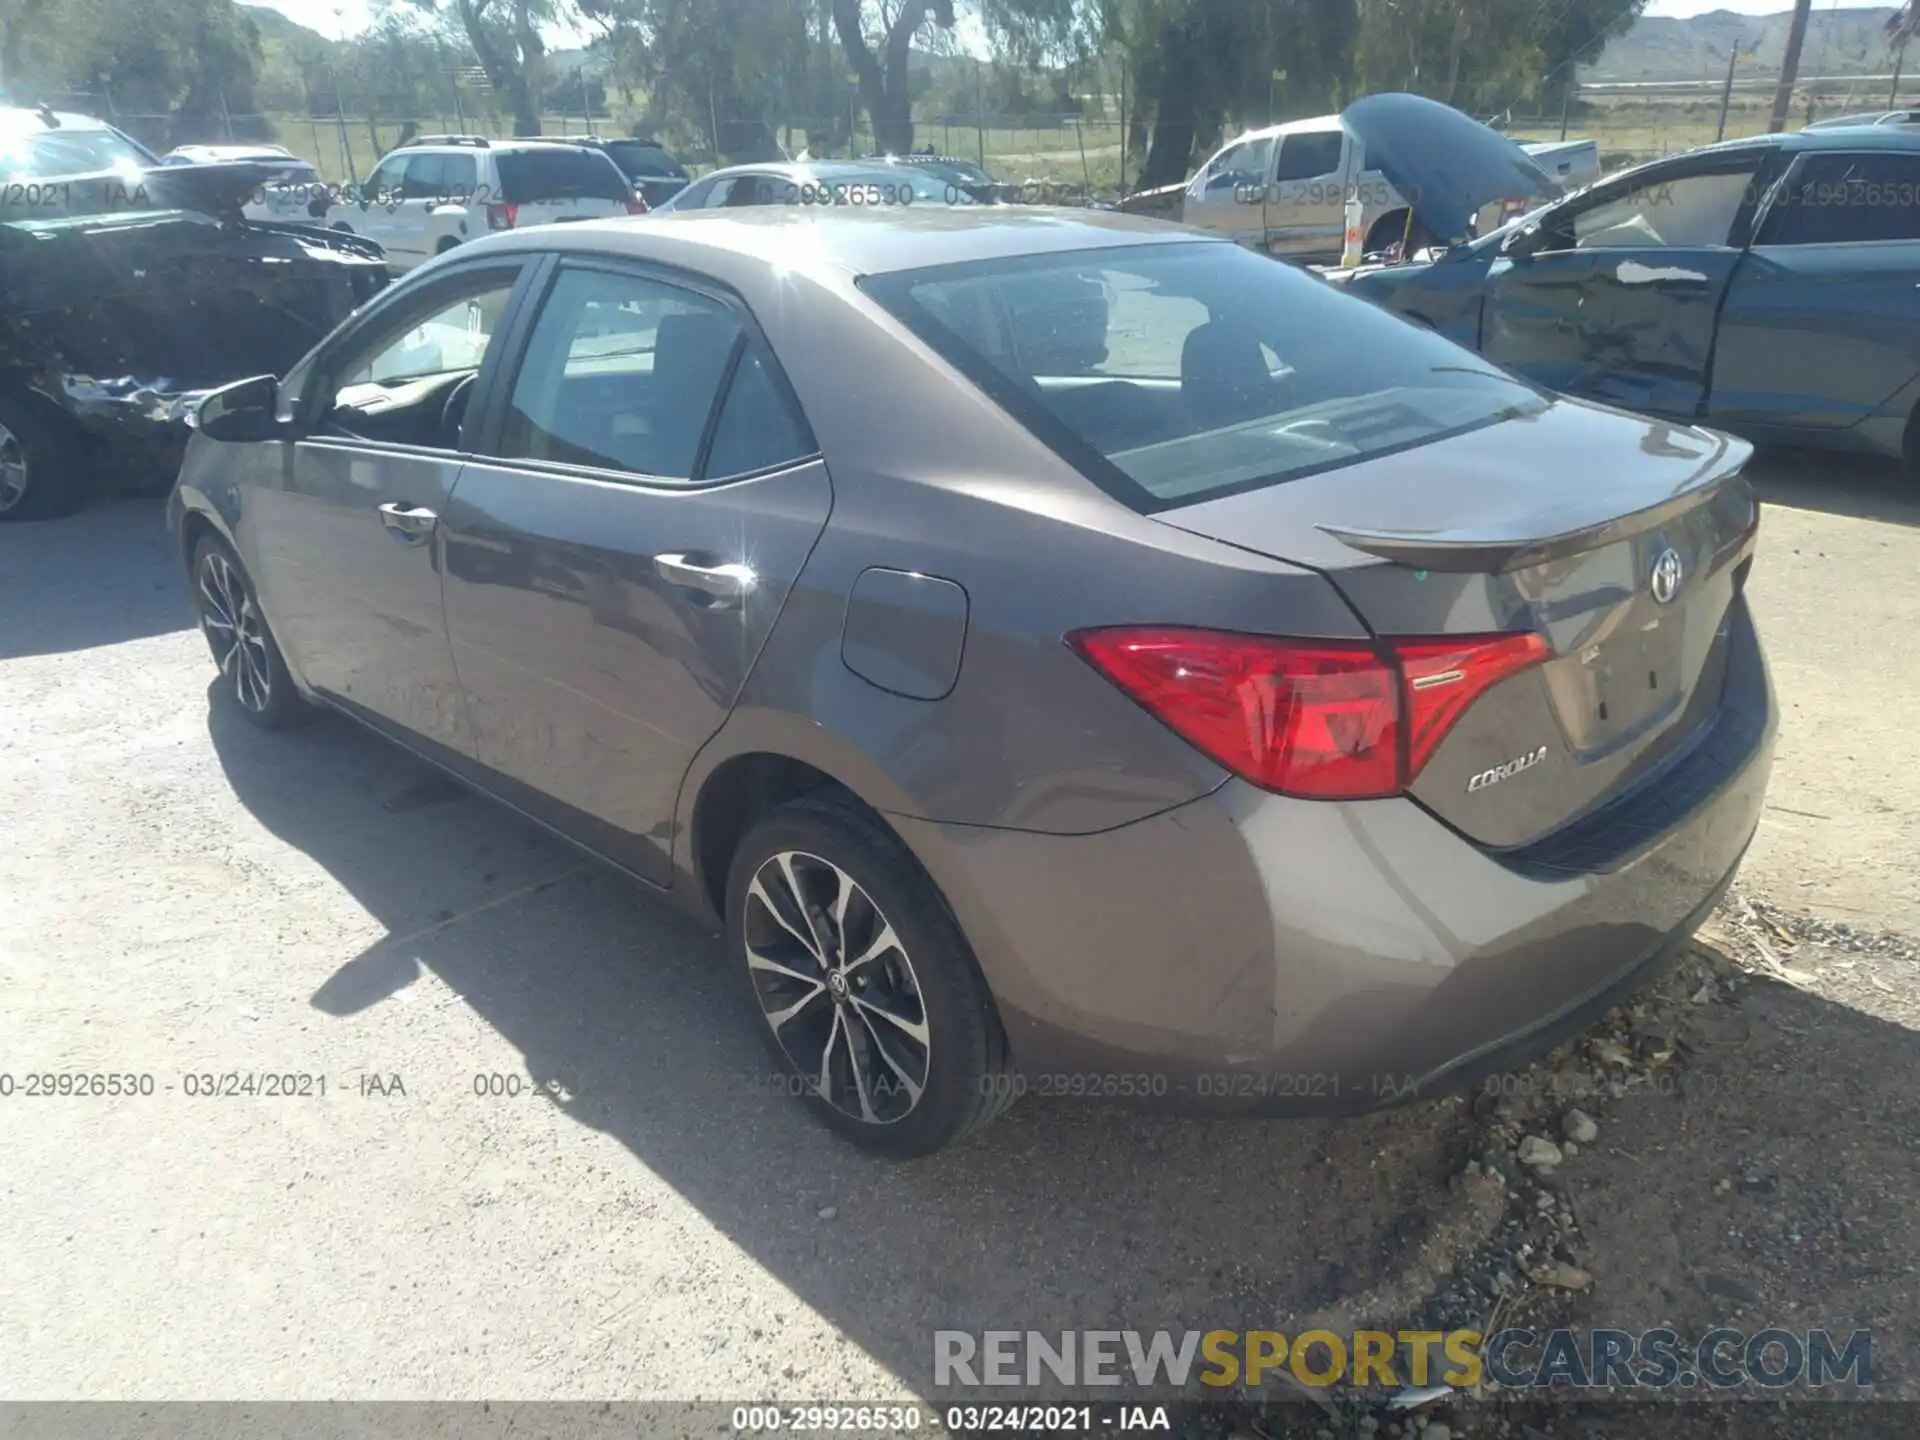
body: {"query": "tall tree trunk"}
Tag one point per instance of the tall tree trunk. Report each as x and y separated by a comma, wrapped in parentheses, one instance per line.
(883, 79)
(1790, 66)
(508, 77)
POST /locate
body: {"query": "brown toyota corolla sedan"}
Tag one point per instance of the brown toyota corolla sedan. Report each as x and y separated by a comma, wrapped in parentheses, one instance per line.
(1270, 707)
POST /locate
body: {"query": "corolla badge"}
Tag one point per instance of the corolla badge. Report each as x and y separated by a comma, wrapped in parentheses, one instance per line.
(1506, 771)
(1669, 574)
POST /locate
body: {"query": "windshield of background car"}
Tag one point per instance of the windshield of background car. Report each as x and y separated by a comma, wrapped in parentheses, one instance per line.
(56, 154)
(893, 185)
(1173, 373)
(560, 173)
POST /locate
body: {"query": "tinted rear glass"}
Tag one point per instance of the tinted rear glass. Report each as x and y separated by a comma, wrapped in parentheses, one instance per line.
(562, 173)
(1173, 373)
(648, 161)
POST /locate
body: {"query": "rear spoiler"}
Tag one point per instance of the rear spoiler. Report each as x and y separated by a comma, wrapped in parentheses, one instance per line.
(1493, 553)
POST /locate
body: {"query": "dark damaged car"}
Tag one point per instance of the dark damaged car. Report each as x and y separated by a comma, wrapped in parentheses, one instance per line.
(1764, 286)
(129, 290)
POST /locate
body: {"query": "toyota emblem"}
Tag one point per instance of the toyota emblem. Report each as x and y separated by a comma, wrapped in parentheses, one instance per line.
(1669, 574)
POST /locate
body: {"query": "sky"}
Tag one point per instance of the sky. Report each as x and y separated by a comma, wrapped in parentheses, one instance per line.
(340, 18)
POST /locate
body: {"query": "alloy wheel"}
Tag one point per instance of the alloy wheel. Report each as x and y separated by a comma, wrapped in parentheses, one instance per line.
(13, 469)
(834, 981)
(232, 625)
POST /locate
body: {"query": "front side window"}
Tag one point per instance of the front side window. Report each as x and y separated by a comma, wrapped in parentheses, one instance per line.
(425, 178)
(1172, 373)
(621, 373)
(1847, 199)
(394, 383)
(1242, 163)
(1691, 211)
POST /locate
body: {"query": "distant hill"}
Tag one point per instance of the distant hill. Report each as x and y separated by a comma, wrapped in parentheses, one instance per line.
(1839, 42)
(276, 29)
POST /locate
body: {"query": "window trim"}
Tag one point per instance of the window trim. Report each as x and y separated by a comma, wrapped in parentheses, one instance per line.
(318, 385)
(1804, 159)
(484, 443)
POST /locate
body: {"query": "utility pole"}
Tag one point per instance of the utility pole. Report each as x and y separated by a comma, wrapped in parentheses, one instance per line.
(1790, 66)
(1726, 93)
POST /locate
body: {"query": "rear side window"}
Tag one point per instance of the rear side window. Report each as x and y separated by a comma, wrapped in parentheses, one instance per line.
(460, 174)
(1843, 199)
(563, 172)
(757, 429)
(1308, 157)
(621, 373)
(1172, 373)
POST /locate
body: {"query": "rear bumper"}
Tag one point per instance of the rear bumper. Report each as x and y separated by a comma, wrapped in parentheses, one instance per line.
(1247, 953)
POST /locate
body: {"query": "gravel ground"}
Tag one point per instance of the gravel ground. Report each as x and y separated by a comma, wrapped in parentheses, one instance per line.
(643, 1218)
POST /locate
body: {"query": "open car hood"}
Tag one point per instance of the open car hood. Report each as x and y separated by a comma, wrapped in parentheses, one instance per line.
(1448, 165)
(217, 188)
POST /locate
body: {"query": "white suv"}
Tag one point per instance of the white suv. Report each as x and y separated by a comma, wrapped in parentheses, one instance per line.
(437, 190)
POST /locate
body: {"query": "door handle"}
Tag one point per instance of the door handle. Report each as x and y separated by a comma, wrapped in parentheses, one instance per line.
(726, 585)
(408, 522)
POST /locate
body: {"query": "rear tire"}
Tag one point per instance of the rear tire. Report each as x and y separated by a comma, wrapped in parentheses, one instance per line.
(874, 1008)
(41, 477)
(253, 673)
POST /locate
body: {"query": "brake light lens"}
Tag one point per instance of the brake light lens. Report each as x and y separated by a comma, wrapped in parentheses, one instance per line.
(637, 205)
(501, 217)
(1319, 719)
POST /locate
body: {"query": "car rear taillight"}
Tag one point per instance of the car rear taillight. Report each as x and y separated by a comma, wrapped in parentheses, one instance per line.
(637, 205)
(501, 217)
(1321, 719)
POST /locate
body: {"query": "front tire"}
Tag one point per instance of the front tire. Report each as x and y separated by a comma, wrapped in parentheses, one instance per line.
(41, 477)
(253, 674)
(874, 1007)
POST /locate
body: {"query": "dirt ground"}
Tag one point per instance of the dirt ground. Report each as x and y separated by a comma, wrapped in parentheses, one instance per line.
(642, 1218)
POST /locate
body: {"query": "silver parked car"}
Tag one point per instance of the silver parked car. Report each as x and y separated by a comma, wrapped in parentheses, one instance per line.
(1282, 711)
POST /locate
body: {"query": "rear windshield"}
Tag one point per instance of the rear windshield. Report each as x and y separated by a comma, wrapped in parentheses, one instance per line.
(1175, 373)
(646, 161)
(561, 173)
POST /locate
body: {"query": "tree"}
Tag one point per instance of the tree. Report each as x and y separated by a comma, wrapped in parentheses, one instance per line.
(505, 36)
(1901, 28)
(884, 77)
(1790, 66)
(718, 68)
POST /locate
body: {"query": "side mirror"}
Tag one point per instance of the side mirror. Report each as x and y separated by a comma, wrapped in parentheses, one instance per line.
(243, 412)
(1522, 244)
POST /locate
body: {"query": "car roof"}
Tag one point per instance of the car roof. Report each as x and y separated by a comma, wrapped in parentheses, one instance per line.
(803, 169)
(1318, 125)
(855, 240)
(15, 116)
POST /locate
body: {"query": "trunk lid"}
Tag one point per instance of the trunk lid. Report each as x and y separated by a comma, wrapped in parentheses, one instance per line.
(1620, 541)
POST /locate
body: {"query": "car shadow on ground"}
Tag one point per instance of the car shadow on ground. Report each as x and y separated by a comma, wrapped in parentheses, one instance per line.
(1077, 1217)
(1861, 487)
(134, 585)
(1059, 1216)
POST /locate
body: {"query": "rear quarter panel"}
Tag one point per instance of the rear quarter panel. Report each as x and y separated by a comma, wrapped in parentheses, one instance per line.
(931, 477)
